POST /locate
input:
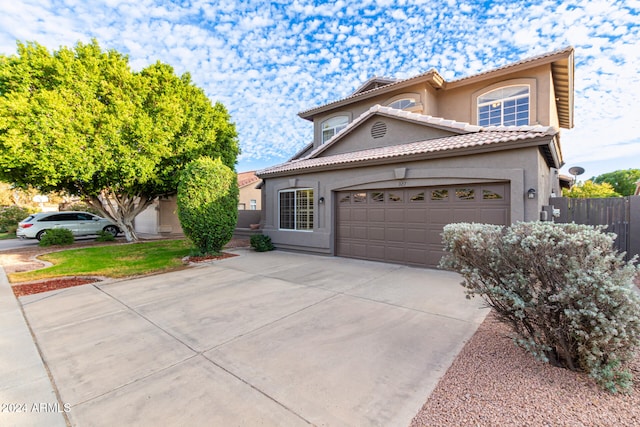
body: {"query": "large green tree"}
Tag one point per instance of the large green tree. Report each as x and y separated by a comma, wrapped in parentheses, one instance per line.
(80, 120)
(588, 189)
(622, 181)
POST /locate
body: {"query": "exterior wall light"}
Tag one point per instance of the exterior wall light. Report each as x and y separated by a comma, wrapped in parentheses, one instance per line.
(531, 194)
(321, 200)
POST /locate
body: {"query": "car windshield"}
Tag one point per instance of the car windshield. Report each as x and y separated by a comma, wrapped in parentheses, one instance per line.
(28, 219)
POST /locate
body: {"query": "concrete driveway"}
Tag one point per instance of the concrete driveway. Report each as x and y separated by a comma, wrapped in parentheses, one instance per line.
(273, 338)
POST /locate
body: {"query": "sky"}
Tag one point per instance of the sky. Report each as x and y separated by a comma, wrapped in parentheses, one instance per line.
(267, 61)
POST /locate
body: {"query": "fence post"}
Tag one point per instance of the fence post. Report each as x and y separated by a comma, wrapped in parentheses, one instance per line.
(634, 226)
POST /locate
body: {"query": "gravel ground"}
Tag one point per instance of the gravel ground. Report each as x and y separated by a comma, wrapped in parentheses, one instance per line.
(494, 383)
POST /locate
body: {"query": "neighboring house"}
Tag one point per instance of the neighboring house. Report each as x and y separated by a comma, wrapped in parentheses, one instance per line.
(250, 197)
(395, 161)
(161, 217)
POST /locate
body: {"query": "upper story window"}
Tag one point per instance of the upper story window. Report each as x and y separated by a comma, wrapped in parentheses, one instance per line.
(404, 103)
(507, 106)
(332, 126)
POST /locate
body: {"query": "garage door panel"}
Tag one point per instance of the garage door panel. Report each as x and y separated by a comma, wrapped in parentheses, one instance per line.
(416, 235)
(376, 215)
(375, 252)
(416, 215)
(394, 215)
(376, 233)
(395, 253)
(433, 257)
(359, 232)
(405, 226)
(359, 250)
(344, 213)
(439, 215)
(434, 235)
(394, 234)
(343, 231)
(494, 216)
(416, 256)
(359, 214)
(464, 215)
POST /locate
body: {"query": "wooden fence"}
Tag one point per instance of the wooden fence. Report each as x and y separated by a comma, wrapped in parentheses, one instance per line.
(621, 215)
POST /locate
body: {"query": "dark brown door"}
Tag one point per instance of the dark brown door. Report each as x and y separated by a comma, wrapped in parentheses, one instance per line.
(403, 225)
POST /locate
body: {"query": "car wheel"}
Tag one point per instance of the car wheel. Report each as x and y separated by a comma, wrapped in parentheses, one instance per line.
(111, 229)
(41, 234)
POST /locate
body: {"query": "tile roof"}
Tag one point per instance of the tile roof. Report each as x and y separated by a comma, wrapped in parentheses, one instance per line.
(564, 51)
(432, 74)
(246, 178)
(485, 137)
(450, 125)
(363, 93)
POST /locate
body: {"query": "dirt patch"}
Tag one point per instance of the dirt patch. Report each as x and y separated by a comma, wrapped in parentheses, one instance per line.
(50, 285)
(494, 383)
(196, 259)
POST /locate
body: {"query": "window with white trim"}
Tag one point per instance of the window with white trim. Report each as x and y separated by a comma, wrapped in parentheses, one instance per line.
(296, 209)
(332, 126)
(253, 204)
(404, 103)
(506, 106)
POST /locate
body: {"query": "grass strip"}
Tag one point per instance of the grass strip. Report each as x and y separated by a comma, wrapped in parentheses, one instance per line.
(112, 261)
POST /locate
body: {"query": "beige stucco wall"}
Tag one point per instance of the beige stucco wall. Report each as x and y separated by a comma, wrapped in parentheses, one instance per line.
(427, 97)
(248, 193)
(398, 132)
(520, 167)
(160, 217)
(458, 100)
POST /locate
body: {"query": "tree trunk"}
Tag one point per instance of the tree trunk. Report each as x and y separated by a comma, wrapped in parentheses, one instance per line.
(121, 209)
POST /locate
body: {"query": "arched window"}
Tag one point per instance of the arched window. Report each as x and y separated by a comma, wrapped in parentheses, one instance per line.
(507, 106)
(404, 103)
(332, 126)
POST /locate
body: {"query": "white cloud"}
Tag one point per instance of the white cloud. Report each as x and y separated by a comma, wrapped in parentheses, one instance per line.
(288, 56)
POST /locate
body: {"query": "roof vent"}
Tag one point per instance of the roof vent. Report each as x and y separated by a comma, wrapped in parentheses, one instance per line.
(379, 129)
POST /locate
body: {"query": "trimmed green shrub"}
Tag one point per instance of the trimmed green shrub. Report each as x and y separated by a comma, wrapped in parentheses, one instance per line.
(104, 236)
(261, 243)
(57, 237)
(10, 217)
(208, 204)
(566, 293)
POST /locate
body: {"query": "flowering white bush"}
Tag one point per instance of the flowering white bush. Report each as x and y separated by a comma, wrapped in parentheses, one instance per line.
(567, 294)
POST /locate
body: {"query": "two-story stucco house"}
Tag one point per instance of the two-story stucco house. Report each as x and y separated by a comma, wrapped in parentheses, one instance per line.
(396, 160)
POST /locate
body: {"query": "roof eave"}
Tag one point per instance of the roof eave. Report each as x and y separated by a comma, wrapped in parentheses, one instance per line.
(546, 142)
(431, 77)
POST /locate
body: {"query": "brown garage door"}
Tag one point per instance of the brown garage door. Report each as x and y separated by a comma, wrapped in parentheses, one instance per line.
(403, 225)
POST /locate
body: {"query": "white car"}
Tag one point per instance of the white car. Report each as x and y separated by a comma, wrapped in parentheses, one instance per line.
(80, 223)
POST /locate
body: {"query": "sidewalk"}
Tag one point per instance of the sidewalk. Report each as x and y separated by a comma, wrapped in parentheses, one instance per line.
(25, 386)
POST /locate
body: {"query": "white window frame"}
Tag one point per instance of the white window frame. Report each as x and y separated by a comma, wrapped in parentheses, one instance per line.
(253, 204)
(497, 104)
(301, 215)
(330, 127)
(397, 104)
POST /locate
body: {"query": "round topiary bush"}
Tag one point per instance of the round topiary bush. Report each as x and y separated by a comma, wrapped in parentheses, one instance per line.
(208, 204)
(56, 237)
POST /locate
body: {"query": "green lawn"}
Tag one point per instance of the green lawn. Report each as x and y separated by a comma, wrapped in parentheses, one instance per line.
(111, 261)
(7, 236)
